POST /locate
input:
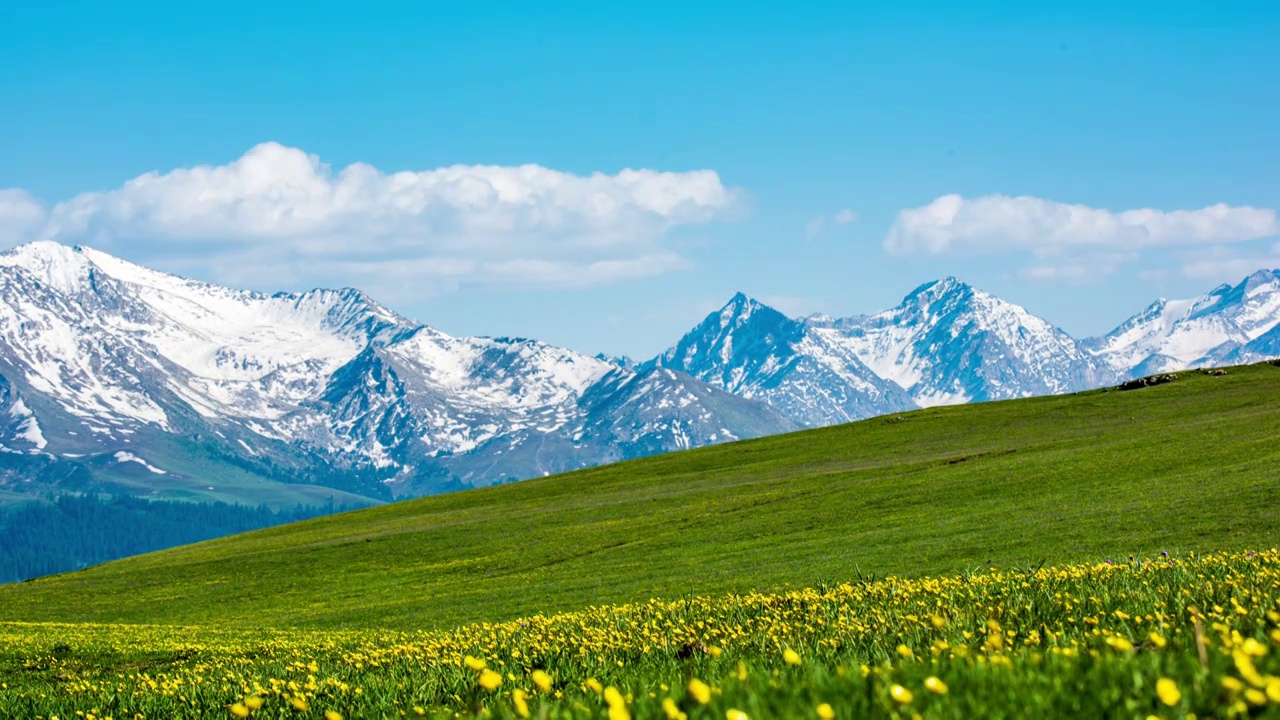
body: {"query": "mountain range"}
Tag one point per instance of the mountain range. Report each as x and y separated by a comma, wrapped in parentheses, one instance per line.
(115, 378)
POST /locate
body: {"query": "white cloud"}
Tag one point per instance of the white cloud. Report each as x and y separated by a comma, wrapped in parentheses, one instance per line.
(999, 222)
(818, 225)
(280, 213)
(1228, 264)
(1072, 243)
(21, 217)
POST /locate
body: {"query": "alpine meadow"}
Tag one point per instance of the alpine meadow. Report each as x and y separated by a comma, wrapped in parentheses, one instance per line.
(640, 361)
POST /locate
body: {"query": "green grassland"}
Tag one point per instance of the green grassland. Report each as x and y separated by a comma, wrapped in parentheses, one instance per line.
(1193, 464)
(1166, 637)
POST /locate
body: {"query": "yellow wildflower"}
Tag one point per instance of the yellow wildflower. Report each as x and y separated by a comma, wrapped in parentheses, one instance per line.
(1167, 691)
(700, 691)
(542, 680)
(519, 702)
(935, 686)
(791, 656)
(239, 710)
(1119, 644)
(732, 714)
(613, 697)
(1248, 671)
(1273, 689)
(595, 685)
(475, 663)
(900, 694)
(253, 702)
(617, 705)
(905, 651)
(490, 680)
(825, 712)
(672, 711)
(332, 715)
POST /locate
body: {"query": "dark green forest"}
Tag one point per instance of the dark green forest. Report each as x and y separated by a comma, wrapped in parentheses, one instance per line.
(71, 532)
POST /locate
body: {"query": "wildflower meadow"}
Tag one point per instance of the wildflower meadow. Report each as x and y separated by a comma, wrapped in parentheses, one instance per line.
(1165, 636)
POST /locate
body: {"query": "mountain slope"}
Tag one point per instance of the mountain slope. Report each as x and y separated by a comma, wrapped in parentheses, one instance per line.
(1229, 324)
(1069, 477)
(752, 350)
(324, 388)
(948, 342)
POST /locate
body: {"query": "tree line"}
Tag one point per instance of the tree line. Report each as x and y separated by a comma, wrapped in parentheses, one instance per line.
(71, 532)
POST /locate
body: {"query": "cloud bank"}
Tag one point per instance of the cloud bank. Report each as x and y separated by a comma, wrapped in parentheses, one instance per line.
(21, 216)
(1222, 264)
(278, 212)
(1079, 239)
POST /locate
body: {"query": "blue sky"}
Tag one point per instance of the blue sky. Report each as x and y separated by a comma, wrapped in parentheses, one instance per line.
(822, 124)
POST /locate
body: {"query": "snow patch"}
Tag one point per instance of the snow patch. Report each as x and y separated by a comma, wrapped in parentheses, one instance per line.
(124, 457)
(29, 429)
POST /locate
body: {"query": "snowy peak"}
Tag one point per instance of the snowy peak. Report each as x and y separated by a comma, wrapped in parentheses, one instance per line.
(948, 342)
(1252, 304)
(151, 377)
(97, 353)
(731, 346)
(752, 350)
(741, 308)
(622, 361)
(1227, 324)
(65, 269)
(121, 338)
(950, 302)
(936, 291)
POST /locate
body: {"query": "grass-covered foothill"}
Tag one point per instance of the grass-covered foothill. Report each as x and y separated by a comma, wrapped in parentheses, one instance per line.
(1158, 636)
(1184, 465)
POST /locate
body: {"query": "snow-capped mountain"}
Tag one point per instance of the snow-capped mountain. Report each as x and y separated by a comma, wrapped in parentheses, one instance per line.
(948, 342)
(144, 379)
(117, 378)
(1228, 325)
(809, 372)
(619, 360)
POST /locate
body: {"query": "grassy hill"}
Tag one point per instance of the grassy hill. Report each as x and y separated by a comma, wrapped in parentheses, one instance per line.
(1192, 464)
